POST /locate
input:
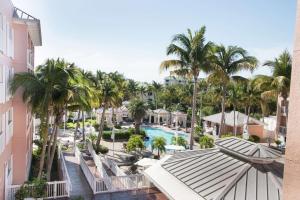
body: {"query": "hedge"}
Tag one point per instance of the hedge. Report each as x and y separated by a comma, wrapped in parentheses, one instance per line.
(124, 135)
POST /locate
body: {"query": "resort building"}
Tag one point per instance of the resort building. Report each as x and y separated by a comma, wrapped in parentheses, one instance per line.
(19, 34)
(172, 80)
(212, 124)
(292, 158)
(235, 169)
(117, 115)
(162, 116)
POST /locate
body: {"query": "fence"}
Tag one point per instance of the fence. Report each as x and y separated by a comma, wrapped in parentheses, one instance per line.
(55, 189)
(113, 166)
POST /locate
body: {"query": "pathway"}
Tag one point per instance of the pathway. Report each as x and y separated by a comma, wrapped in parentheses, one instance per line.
(80, 186)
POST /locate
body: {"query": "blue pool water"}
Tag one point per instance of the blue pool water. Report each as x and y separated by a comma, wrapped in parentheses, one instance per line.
(157, 132)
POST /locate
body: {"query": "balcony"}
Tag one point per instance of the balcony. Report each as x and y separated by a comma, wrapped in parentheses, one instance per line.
(30, 58)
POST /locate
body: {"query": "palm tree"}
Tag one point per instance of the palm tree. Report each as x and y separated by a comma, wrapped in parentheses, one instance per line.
(234, 97)
(65, 88)
(278, 83)
(137, 108)
(156, 89)
(226, 62)
(37, 96)
(109, 94)
(159, 143)
(193, 56)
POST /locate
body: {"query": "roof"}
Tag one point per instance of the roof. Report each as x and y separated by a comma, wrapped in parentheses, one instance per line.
(161, 111)
(146, 162)
(214, 174)
(240, 119)
(179, 113)
(34, 25)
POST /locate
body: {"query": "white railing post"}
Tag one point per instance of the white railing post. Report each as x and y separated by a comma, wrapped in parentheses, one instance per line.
(54, 189)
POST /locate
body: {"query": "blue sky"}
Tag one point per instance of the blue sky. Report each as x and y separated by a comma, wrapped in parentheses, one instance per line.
(131, 36)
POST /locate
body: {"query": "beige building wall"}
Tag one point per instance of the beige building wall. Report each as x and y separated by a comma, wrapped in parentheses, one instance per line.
(291, 181)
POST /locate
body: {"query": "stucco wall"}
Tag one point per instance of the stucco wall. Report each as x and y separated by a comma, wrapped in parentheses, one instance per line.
(291, 181)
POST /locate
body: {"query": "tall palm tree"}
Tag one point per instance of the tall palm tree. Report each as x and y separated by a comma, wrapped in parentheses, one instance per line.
(278, 83)
(66, 86)
(193, 56)
(226, 62)
(138, 109)
(109, 95)
(234, 97)
(156, 88)
(37, 96)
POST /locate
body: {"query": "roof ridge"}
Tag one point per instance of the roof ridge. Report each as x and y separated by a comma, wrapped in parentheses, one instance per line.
(234, 182)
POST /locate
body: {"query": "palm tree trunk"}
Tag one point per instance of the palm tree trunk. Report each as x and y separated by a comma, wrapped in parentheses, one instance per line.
(193, 113)
(83, 126)
(222, 126)
(137, 127)
(54, 127)
(278, 116)
(44, 133)
(58, 121)
(101, 126)
(248, 117)
(76, 129)
(234, 126)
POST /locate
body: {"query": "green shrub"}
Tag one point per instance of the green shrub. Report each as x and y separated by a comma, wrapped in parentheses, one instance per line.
(118, 126)
(80, 146)
(119, 135)
(254, 138)
(277, 142)
(131, 130)
(206, 142)
(39, 189)
(101, 149)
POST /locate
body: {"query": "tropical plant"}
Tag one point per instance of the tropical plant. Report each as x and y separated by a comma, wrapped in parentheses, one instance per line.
(110, 96)
(159, 143)
(206, 142)
(135, 143)
(137, 108)
(180, 141)
(193, 56)
(226, 62)
(279, 83)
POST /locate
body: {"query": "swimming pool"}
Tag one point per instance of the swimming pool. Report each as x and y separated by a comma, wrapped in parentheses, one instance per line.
(158, 132)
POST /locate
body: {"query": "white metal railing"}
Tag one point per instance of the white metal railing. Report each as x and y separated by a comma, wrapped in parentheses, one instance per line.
(109, 183)
(55, 189)
(64, 169)
(113, 166)
(99, 166)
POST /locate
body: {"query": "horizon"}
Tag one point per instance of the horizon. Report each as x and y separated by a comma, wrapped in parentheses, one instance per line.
(134, 41)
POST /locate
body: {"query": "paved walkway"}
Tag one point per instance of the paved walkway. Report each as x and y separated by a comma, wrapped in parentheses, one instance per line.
(80, 186)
